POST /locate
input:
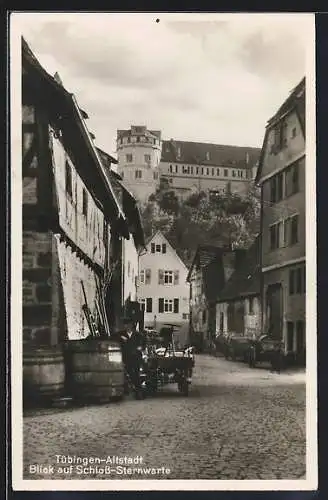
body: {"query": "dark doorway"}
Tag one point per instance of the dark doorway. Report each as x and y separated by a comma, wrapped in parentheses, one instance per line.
(275, 310)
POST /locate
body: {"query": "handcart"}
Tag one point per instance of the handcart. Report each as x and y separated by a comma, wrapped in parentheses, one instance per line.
(168, 365)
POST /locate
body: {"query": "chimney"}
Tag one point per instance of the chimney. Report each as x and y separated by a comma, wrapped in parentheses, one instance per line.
(58, 79)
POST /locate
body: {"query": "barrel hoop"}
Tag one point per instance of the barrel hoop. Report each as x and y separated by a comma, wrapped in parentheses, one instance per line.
(42, 362)
(88, 370)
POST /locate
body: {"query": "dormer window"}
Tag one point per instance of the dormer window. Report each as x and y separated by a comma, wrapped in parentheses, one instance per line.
(208, 156)
(179, 152)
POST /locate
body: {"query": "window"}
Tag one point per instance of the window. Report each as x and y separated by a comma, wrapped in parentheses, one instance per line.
(164, 248)
(251, 305)
(176, 169)
(185, 316)
(291, 282)
(202, 170)
(213, 171)
(149, 305)
(276, 187)
(208, 156)
(217, 171)
(292, 179)
(152, 247)
(297, 281)
(168, 305)
(68, 180)
(142, 276)
(225, 172)
(84, 202)
(155, 175)
(207, 171)
(280, 137)
(192, 170)
(276, 235)
(148, 276)
(171, 169)
(129, 158)
(129, 139)
(138, 174)
(138, 139)
(158, 248)
(147, 158)
(168, 277)
(142, 302)
(290, 336)
(294, 230)
(179, 152)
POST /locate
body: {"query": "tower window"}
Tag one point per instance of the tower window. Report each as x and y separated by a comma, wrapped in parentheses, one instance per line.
(129, 158)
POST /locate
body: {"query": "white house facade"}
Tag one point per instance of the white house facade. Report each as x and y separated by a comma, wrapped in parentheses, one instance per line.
(162, 286)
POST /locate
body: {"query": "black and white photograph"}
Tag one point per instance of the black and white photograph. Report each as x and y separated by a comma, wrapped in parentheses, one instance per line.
(163, 251)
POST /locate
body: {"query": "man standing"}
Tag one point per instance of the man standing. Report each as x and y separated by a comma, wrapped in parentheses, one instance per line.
(132, 345)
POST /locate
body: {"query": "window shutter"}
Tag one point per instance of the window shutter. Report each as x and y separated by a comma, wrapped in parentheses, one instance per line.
(176, 277)
(148, 276)
(149, 307)
(160, 305)
(160, 277)
(153, 248)
(176, 306)
(164, 248)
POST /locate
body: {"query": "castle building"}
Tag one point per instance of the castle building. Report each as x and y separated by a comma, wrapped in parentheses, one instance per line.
(146, 162)
(139, 154)
(188, 167)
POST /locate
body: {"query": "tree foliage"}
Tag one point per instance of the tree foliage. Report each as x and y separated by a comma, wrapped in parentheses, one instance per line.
(202, 218)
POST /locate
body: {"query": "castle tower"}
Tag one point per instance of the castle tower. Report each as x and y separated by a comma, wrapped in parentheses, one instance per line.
(139, 154)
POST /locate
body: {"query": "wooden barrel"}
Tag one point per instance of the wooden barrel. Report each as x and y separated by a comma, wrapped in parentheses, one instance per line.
(96, 370)
(43, 373)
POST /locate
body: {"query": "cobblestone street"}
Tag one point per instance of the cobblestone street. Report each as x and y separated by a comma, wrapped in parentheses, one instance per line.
(237, 423)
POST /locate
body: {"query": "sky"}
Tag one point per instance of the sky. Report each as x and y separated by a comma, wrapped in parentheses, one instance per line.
(207, 78)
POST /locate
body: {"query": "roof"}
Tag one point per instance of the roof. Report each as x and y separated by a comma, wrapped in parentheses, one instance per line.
(63, 109)
(295, 101)
(144, 131)
(209, 154)
(168, 243)
(204, 255)
(245, 280)
(106, 157)
(128, 206)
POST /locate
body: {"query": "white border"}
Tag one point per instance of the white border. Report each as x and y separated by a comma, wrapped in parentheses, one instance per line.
(18, 483)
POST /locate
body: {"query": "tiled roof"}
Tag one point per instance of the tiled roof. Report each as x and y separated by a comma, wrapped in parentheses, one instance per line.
(209, 154)
(246, 279)
(146, 132)
(204, 255)
(295, 101)
(105, 157)
(61, 105)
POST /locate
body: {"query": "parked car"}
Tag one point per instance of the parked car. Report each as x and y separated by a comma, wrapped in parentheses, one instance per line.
(238, 347)
(265, 348)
